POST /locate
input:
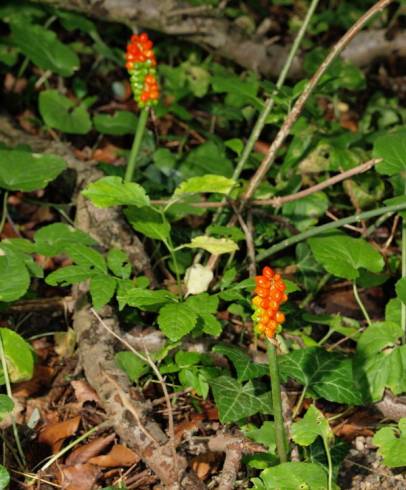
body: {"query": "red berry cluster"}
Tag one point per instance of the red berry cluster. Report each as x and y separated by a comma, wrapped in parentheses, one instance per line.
(141, 65)
(270, 294)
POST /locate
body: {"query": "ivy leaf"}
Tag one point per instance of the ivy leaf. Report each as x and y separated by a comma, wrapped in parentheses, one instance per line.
(148, 222)
(44, 49)
(19, 356)
(245, 367)
(176, 320)
(327, 374)
(313, 424)
(236, 401)
(24, 171)
(61, 113)
(102, 288)
(206, 183)
(295, 476)
(207, 158)
(119, 124)
(343, 256)
(392, 148)
(53, 239)
(215, 246)
(112, 191)
(392, 444)
(15, 279)
(305, 212)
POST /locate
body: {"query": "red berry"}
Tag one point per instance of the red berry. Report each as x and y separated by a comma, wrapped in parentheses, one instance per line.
(267, 272)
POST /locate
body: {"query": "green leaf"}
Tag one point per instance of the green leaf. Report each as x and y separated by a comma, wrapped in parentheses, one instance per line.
(215, 246)
(61, 113)
(211, 325)
(392, 444)
(343, 256)
(19, 356)
(44, 49)
(112, 191)
(392, 148)
(143, 298)
(4, 477)
(236, 401)
(206, 183)
(87, 257)
(192, 378)
(207, 158)
(295, 476)
(132, 365)
(71, 274)
(401, 289)
(305, 212)
(102, 288)
(15, 279)
(148, 222)
(119, 124)
(203, 303)
(378, 336)
(245, 367)
(6, 406)
(176, 320)
(53, 239)
(24, 171)
(313, 424)
(118, 263)
(263, 435)
(327, 374)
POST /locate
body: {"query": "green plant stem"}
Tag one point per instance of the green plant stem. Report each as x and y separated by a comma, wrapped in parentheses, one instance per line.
(172, 251)
(10, 395)
(403, 306)
(329, 464)
(328, 226)
(139, 133)
(4, 211)
(360, 303)
(277, 404)
(299, 403)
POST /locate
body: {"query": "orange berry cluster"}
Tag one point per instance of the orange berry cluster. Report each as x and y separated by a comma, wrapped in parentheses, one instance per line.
(269, 295)
(141, 65)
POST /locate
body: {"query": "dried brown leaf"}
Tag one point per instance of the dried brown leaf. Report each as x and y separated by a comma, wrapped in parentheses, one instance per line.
(118, 456)
(78, 477)
(83, 453)
(53, 435)
(84, 392)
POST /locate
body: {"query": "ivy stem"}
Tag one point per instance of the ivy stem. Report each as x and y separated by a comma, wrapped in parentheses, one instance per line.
(317, 230)
(10, 395)
(329, 464)
(277, 403)
(360, 303)
(139, 133)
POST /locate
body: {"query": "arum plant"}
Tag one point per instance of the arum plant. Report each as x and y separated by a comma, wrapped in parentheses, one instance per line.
(269, 295)
(141, 66)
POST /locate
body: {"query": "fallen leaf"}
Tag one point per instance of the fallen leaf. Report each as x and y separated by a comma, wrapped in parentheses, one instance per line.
(65, 343)
(118, 456)
(42, 377)
(28, 122)
(53, 435)
(78, 477)
(83, 453)
(108, 153)
(84, 392)
(203, 463)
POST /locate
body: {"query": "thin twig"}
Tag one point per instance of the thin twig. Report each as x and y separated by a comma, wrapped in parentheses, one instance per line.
(249, 240)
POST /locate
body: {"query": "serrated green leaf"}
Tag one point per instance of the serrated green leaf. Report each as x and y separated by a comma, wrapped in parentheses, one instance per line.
(24, 171)
(211, 325)
(263, 435)
(119, 124)
(176, 320)
(392, 444)
(206, 183)
(87, 257)
(295, 476)
(148, 222)
(401, 289)
(4, 477)
(133, 366)
(19, 356)
(61, 113)
(313, 424)
(236, 401)
(343, 256)
(207, 158)
(245, 367)
(102, 288)
(327, 374)
(203, 303)
(70, 274)
(215, 246)
(53, 239)
(112, 191)
(117, 262)
(143, 298)
(15, 279)
(392, 148)
(44, 49)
